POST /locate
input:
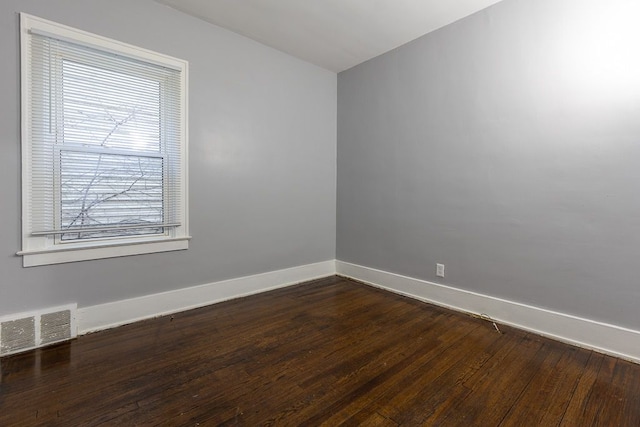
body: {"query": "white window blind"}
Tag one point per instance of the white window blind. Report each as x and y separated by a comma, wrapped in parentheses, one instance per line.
(106, 145)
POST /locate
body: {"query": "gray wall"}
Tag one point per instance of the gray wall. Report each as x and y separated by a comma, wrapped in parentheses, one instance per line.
(262, 159)
(506, 146)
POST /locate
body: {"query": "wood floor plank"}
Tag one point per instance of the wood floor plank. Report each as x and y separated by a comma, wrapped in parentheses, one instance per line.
(353, 374)
(581, 406)
(618, 403)
(328, 352)
(494, 390)
(437, 386)
(349, 399)
(547, 396)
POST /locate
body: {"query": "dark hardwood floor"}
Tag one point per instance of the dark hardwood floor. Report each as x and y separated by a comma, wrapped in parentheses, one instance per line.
(330, 352)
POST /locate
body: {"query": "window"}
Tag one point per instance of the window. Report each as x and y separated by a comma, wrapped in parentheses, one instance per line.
(104, 147)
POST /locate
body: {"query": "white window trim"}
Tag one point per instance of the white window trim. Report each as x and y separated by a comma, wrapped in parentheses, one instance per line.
(41, 250)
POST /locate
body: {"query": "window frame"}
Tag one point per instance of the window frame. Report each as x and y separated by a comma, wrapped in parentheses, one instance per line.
(45, 249)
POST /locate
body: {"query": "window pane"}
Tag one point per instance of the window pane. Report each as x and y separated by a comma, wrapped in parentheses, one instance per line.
(110, 190)
(104, 146)
(109, 109)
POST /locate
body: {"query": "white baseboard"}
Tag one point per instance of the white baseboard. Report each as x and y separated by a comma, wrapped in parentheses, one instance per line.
(604, 338)
(109, 315)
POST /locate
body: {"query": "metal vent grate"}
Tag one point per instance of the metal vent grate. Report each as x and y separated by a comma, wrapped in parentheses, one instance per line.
(17, 334)
(26, 331)
(55, 327)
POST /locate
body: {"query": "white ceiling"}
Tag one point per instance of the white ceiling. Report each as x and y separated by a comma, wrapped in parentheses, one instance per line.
(334, 34)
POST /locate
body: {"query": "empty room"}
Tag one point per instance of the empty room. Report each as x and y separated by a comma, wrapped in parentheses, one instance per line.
(331, 212)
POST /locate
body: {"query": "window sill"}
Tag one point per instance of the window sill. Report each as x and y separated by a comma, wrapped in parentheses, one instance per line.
(61, 255)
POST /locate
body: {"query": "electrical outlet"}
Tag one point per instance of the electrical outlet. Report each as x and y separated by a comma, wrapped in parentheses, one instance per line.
(440, 270)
